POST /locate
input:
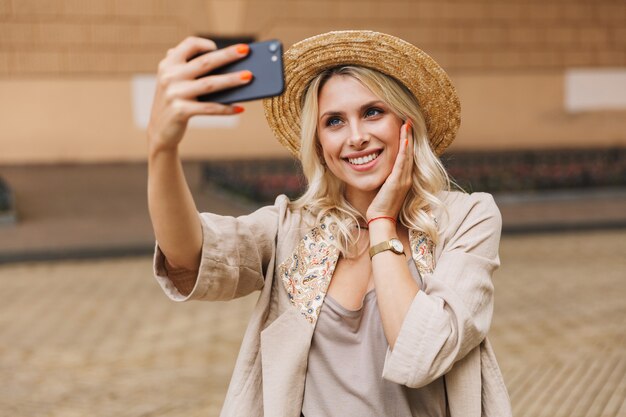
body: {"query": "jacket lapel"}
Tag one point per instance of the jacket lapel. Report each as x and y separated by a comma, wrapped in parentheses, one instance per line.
(285, 343)
(306, 274)
(423, 251)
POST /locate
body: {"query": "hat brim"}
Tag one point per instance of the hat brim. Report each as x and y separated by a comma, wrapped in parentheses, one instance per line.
(388, 54)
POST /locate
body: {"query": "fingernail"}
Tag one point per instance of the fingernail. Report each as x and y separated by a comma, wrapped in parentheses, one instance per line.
(408, 125)
(243, 49)
(245, 75)
(238, 109)
(406, 142)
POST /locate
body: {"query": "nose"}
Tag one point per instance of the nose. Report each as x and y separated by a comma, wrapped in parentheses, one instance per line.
(358, 136)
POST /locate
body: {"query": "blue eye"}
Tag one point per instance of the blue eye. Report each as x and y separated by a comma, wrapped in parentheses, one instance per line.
(373, 112)
(333, 121)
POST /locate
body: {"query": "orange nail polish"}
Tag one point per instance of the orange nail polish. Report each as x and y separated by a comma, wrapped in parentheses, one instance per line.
(243, 49)
(406, 142)
(245, 75)
(408, 125)
(238, 109)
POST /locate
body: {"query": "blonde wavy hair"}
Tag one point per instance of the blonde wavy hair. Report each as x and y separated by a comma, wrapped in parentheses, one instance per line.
(325, 192)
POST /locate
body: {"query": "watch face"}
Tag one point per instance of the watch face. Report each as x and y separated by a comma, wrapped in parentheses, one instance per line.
(396, 246)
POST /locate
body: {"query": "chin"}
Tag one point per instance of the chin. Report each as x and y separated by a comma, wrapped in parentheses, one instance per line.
(365, 187)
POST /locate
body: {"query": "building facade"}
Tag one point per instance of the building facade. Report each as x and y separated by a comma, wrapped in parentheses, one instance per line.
(76, 76)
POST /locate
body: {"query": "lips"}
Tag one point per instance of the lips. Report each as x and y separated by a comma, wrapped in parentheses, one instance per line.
(362, 160)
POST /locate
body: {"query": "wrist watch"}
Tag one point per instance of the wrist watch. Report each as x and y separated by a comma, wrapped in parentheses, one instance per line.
(393, 245)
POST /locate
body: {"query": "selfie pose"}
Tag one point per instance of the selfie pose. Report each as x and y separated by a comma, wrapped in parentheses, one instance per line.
(375, 286)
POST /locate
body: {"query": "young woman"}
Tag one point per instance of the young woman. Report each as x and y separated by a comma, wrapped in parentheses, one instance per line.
(375, 285)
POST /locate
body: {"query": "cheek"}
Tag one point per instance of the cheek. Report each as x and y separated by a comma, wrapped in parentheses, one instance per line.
(332, 161)
(325, 156)
(392, 138)
(330, 148)
(388, 131)
(330, 156)
(395, 148)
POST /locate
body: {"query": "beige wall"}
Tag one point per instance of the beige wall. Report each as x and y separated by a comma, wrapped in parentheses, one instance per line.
(92, 120)
(66, 67)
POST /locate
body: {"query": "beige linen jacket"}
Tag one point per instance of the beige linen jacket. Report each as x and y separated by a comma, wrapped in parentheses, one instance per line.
(290, 260)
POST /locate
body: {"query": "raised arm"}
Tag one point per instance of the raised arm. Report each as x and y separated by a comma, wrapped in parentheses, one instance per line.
(179, 81)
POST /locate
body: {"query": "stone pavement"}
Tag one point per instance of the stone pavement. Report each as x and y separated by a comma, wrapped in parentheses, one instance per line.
(98, 338)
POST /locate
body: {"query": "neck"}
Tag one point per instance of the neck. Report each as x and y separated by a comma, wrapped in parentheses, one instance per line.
(360, 200)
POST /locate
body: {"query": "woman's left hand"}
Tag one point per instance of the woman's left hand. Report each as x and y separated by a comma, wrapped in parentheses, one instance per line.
(391, 195)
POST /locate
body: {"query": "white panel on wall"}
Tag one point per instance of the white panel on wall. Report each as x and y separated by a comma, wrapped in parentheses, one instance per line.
(143, 87)
(592, 89)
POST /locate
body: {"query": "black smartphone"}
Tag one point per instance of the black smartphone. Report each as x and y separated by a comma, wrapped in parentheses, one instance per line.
(265, 61)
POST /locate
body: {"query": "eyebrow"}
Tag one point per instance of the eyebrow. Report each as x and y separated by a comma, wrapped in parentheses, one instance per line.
(363, 107)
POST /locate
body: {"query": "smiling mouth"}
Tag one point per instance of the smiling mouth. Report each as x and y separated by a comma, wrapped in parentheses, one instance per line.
(363, 159)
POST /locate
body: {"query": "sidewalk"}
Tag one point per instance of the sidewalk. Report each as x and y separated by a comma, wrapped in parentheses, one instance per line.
(89, 211)
(98, 338)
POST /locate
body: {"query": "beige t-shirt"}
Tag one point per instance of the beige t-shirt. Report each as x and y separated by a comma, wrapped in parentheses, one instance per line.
(345, 366)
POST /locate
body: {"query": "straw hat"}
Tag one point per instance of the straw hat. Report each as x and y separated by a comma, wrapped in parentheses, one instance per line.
(390, 55)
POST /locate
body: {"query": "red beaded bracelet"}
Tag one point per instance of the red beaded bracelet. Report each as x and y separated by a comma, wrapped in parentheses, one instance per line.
(382, 217)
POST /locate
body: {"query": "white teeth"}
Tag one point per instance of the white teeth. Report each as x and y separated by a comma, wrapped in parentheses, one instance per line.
(364, 159)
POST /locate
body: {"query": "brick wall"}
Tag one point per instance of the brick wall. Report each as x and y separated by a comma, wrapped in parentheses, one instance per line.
(100, 37)
(473, 34)
(69, 37)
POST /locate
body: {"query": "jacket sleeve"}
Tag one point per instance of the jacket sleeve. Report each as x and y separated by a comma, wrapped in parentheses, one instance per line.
(235, 256)
(452, 314)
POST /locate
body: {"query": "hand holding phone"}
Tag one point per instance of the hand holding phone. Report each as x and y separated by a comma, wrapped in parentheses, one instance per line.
(265, 62)
(179, 83)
